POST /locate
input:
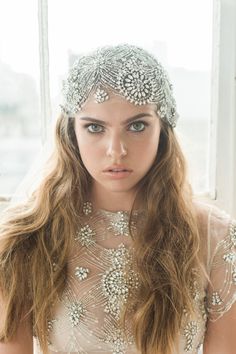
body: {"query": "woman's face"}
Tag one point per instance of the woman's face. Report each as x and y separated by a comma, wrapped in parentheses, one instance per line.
(117, 134)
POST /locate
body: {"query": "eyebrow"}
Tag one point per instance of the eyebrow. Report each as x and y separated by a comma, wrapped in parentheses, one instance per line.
(140, 115)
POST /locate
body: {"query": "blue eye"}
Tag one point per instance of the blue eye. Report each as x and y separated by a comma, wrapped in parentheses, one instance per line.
(137, 126)
(98, 128)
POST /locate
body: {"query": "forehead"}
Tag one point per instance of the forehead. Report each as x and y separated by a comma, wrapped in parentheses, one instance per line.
(116, 106)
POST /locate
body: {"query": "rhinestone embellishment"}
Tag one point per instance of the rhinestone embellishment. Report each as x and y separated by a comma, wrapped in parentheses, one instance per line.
(190, 332)
(136, 87)
(50, 329)
(85, 236)
(87, 208)
(216, 299)
(121, 226)
(101, 95)
(116, 338)
(50, 324)
(81, 273)
(128, 71)
(230, 257)
(76, 312)
(117, 281)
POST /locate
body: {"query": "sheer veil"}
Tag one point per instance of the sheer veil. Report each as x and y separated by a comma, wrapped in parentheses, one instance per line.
(36, 171)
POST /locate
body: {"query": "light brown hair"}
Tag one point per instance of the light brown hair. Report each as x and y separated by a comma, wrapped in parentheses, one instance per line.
(36, 237)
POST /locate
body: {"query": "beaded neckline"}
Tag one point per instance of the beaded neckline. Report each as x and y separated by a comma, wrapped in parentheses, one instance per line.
(88, 209)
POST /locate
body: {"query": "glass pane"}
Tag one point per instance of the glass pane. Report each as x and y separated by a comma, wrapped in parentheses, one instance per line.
(19, 91)
(171, 30)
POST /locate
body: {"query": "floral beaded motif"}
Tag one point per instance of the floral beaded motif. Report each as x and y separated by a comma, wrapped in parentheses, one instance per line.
(120, 225)
(225, 259)
(115, 283)
(101, 95)
(85, 236)
(216, 299)
(190, 332)
(115, 337)
(81, 273)
(128, 71)
(94, 311)
(76, 311)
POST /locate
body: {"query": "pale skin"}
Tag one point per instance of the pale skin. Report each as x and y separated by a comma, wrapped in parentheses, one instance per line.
(220, 336)
(119, 143)
(113, 140)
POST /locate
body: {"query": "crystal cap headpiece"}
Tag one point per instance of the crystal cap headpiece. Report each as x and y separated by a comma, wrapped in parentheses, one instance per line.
(126, 70)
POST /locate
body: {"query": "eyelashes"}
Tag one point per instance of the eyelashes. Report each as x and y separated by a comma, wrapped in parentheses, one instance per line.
(100, 129)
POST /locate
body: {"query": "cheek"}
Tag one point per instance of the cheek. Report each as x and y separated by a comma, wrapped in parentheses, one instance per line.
(89, 151)
(147, 147)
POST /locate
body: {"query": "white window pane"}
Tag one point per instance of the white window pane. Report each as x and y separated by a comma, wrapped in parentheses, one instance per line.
(178, 32)
(19, 91)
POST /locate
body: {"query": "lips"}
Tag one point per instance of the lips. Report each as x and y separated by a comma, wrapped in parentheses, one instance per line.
(117, 169)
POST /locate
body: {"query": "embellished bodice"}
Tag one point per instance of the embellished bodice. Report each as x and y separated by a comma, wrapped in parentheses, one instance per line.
(101, 274)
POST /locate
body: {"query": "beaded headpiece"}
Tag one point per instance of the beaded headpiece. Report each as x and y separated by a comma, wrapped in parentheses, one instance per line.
(125, 70)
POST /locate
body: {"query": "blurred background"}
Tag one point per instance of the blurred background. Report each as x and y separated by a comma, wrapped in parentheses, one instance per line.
(179, 33)
(76, 27)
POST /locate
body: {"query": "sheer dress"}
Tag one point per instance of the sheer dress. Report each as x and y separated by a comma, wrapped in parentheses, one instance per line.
(86, 320)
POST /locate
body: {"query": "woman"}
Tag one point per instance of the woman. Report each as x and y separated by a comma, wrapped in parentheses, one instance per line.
(112, 253)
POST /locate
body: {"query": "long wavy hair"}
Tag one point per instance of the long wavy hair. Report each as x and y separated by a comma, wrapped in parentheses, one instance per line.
(36, 238)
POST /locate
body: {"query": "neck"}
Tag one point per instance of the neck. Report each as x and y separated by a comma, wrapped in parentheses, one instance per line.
(111, 201)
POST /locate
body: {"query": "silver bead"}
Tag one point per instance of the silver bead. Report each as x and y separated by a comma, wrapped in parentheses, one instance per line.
(87, 208)
(101, 95)
(81, 273)
(85, 236)
(76, 312)
(216, 299)
(128, 71)
(190, 332)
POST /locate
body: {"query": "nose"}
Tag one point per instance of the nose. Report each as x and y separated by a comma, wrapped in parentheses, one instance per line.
(116, 147)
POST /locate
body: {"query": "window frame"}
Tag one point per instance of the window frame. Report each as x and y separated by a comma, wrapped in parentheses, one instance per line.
(222, 139)
(222, 132)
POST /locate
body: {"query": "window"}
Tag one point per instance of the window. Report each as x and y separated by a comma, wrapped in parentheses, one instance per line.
(192, 40)
(19, 98)
(181, 44)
